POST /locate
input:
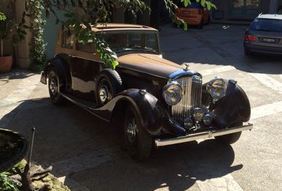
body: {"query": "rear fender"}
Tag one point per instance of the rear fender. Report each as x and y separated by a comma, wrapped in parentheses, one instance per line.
(60, 67)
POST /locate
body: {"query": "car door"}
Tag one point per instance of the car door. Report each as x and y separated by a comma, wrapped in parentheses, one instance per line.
(85, 66)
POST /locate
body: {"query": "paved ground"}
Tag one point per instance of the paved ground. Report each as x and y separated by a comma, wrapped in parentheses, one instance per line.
(85, 153)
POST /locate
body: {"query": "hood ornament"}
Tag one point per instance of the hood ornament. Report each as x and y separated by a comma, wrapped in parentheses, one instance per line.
(186, 66)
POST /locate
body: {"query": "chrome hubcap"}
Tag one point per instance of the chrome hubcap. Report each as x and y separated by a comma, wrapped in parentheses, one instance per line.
(53, 86)
(131, 130)
(103, 94)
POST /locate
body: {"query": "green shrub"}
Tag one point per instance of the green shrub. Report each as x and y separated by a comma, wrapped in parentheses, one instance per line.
(6, 184)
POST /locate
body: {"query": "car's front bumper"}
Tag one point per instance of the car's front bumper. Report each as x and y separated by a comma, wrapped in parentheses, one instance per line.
(202, 135)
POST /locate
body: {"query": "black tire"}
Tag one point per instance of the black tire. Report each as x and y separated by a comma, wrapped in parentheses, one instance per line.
(54, 87)
(137, 141)
(231, 138)
(108, 85)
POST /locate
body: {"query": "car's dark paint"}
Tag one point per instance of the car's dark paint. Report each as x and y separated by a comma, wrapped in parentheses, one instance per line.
(233, 108)
(147, 106)
(155, 118)
(142, 78)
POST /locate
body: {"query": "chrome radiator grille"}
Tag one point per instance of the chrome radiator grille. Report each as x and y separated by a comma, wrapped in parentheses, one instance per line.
(191, 97)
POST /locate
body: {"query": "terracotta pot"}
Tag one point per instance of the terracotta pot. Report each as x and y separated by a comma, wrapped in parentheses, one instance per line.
(6, 63)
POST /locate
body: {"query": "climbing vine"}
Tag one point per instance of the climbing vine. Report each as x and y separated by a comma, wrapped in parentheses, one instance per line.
(35, 9)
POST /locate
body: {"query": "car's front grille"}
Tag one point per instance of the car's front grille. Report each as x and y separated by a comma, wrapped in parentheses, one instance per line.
(191, 97)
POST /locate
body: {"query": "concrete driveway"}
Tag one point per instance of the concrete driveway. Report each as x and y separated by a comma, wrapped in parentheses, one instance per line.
(85, 152)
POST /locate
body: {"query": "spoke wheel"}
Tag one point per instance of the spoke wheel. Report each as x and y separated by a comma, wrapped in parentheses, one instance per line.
(137, 141)
(54, 87)
(104, 92)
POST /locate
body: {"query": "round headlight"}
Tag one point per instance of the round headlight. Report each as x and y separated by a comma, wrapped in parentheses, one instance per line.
(172, 93)
(216, 88)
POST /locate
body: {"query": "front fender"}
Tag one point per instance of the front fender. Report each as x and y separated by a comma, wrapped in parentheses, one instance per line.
(146, 105)
(234, 108)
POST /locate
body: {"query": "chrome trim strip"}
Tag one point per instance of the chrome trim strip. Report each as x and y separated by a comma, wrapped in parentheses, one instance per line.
(87, 108)
(203, 135)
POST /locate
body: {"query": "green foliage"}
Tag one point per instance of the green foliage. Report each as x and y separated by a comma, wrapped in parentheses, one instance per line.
(6, 25)
(6, 184)
(2, 16)
(6, 28)
(171, 7)
(106, 54)
(84, 34)
(37, 45)
(84, 12)
(207, 4)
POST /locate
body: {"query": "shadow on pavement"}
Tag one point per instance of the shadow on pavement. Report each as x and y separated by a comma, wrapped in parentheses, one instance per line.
(15, 74)
(70, 134)
(176, 168)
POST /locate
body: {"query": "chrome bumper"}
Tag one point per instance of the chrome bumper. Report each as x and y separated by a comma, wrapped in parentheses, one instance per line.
(203, 135)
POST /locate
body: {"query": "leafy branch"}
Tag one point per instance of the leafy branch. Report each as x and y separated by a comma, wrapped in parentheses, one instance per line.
(92, 12)
(171, 7)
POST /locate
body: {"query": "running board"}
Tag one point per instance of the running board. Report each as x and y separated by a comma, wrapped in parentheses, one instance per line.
(203, 135)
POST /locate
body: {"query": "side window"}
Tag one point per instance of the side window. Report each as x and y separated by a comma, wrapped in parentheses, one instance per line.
(67, 38)
(86, 47)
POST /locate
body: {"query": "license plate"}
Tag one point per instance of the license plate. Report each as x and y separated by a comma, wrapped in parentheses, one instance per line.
(269, 40)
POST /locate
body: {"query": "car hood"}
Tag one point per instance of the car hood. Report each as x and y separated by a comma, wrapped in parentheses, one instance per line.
(149, 63)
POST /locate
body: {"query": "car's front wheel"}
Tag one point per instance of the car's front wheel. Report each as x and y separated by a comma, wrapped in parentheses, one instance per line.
(137, 141)
(54, 88)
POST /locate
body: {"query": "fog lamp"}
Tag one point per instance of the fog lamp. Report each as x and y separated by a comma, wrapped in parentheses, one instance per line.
(198, 114)
(208, 118)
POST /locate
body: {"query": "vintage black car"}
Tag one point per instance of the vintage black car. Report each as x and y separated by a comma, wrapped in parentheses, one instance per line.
(152, 101)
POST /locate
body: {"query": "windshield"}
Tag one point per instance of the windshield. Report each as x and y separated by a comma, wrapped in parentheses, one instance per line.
(123, 41)
(272, 25)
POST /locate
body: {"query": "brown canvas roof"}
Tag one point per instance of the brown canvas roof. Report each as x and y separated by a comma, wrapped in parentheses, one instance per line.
(119, 26)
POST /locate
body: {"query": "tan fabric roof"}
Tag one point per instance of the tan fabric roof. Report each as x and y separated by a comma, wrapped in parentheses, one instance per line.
(119, 26)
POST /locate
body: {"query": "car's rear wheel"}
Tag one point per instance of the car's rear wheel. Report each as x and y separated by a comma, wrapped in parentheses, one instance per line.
(230, 138)
(107, 87)
(54, 85)
(137, 141)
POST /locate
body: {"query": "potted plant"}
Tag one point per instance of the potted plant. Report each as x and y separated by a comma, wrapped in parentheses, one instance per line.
(5, 28)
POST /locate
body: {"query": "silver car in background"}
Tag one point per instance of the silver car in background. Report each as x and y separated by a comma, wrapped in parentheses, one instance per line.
(264, 35)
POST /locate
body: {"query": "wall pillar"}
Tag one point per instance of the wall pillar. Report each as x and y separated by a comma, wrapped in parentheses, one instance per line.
(273, 6)
(22, 48)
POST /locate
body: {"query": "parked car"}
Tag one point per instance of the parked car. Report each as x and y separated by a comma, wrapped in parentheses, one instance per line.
(194, 14)
(151, 100)
(264, 35)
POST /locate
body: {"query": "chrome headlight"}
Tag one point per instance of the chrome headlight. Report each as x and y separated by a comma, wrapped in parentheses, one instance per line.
(172, 93)
(217, 88)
